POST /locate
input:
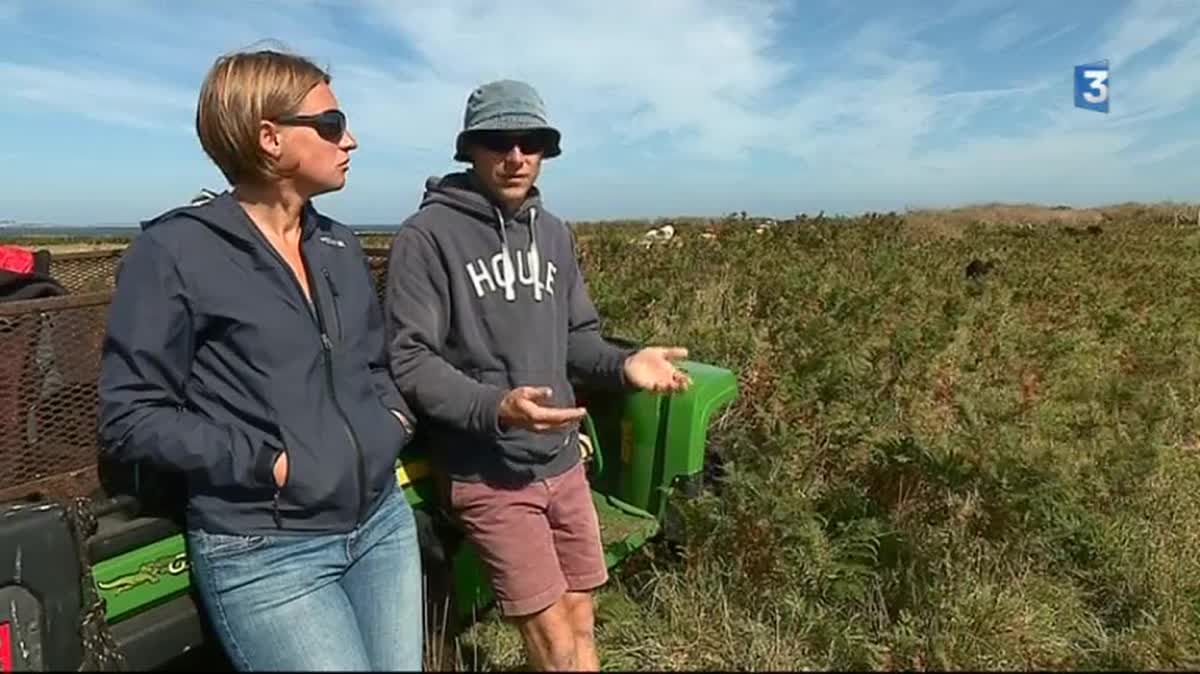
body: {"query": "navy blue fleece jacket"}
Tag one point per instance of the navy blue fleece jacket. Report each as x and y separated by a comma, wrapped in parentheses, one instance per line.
(215, 363)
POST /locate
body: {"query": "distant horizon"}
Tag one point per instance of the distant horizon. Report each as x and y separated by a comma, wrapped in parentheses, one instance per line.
(16, 228)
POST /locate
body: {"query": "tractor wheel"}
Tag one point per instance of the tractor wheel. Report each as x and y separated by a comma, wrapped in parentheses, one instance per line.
(714, 468)
(674, 530)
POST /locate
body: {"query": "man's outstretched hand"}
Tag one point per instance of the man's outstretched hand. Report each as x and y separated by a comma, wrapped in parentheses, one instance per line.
(651, 369)
(524, 407)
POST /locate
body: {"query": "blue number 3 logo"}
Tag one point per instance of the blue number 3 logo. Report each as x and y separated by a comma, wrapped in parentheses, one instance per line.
(1091, 86)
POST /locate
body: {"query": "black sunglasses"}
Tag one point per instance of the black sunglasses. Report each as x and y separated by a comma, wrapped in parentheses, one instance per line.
(503, 141)
(330, 124)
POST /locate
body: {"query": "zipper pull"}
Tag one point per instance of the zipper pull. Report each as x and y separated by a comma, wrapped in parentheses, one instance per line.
(329, 282)
(275, 510)
(326, 343)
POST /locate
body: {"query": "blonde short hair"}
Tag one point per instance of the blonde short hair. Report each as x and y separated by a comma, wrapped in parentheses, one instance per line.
(240, 90)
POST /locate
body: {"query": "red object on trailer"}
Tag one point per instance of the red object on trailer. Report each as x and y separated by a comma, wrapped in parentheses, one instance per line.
(16, 260)
(6, 663)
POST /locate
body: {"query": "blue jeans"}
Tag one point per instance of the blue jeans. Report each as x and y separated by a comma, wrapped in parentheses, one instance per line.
(331, 602)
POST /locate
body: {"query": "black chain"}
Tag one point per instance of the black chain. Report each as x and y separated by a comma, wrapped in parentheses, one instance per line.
(100, 650)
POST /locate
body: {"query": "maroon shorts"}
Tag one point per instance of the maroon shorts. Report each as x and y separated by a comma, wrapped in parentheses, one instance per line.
(537, 541)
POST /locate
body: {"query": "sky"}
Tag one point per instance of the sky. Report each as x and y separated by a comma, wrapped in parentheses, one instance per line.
(667, 107)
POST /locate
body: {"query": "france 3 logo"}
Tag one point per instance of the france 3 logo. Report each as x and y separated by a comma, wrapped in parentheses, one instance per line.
(1091, 86)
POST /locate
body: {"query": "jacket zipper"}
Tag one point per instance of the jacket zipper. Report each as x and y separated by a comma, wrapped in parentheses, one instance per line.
(337, 313)
(327, 348)
(327, 360)
(329, 378)
(327, 352)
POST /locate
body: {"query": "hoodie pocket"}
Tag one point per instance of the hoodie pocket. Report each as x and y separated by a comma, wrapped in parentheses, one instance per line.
(527, 445)
(561, 393)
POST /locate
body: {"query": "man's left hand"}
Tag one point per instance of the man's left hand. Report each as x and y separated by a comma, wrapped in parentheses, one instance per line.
(651, 369)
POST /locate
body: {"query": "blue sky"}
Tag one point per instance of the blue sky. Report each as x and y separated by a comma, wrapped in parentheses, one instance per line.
(668, 107)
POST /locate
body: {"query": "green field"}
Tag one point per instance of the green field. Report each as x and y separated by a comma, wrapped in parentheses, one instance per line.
(926, 470)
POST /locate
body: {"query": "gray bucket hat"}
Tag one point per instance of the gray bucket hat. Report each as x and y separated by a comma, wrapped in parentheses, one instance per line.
(505, 105)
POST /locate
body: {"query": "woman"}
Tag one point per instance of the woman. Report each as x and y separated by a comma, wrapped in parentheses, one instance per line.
(245, 349)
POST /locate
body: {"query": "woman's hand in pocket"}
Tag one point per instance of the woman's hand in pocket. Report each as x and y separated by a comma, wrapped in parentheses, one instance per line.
(280, 470)
(408, 426)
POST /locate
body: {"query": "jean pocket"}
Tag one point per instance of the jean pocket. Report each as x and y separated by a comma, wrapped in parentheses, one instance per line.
(225, 545)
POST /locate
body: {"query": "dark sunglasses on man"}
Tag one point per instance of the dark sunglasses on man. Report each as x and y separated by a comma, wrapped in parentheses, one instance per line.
(330, 124)
(503, 141)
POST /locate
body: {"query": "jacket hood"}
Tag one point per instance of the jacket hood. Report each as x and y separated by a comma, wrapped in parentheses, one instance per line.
(463, 191)
(223, 213)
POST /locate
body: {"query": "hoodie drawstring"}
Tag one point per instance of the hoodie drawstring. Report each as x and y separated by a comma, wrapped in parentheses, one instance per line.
(509, 279)
(533, 257)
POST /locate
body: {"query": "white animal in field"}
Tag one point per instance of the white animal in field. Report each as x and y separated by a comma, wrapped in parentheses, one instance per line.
(658, 235)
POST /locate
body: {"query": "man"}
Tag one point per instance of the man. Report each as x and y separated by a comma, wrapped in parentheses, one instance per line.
(488, 315)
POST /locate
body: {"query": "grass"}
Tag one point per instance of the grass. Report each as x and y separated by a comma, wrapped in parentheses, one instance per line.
(926, 470)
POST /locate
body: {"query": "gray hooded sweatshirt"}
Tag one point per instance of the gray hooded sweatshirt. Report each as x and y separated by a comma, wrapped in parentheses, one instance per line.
(478, 304)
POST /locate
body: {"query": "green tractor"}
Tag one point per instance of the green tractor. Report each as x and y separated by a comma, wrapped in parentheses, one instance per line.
(90, 542)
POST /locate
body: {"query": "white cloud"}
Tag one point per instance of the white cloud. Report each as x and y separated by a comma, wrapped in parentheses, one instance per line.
(716, 83)
(1050, 37)
(1168, 87)
(1163, 153)
(1147, 23)
(722, 82)
(703, 73)
(1007, 31)
(103, 96)
(625, 69)
(1071, 157)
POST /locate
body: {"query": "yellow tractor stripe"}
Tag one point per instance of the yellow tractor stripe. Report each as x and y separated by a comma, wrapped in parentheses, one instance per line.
(409, 471)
